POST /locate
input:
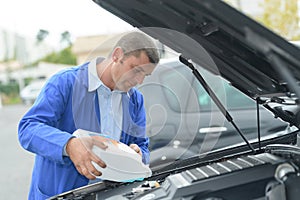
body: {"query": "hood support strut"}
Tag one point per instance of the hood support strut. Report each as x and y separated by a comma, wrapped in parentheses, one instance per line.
(214, 98)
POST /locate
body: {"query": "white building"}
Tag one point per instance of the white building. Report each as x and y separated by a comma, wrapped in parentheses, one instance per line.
(17, 51)
(25, 50)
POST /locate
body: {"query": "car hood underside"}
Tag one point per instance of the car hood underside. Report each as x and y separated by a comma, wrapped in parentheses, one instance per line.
(253, 59)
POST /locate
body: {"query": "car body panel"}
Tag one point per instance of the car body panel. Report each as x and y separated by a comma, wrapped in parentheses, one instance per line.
(30, 92)
(197, 126)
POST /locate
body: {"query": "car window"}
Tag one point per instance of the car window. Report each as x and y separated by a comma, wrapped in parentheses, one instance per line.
(179, 89)
(187, 85)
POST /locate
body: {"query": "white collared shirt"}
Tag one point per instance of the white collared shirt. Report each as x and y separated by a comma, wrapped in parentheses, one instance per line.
(110, 103)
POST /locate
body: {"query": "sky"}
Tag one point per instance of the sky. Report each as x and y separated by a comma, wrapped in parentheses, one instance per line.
(79, 17)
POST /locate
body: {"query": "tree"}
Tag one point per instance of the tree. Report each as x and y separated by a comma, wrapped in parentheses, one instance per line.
(41, 35)
(64, 56)
(65, 39)
(281, 17)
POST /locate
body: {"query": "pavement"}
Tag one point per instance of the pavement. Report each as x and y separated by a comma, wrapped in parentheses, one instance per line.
(16, 163)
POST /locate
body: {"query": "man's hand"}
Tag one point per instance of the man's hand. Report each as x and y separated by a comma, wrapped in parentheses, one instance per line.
(136, 148)
(80, 152)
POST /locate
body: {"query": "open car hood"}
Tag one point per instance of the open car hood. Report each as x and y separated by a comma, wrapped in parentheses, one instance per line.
(259, 63)
(255, 60)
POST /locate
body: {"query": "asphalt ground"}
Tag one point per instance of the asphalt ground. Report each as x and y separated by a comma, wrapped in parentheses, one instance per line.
(16, 163)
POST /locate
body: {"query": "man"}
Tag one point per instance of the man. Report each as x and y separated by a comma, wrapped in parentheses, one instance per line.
(98, 96)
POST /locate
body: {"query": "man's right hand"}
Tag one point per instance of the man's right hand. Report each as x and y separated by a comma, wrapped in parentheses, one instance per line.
(80, 152)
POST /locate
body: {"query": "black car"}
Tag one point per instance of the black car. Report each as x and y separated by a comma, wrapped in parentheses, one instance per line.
(209, 36)
(180, 127)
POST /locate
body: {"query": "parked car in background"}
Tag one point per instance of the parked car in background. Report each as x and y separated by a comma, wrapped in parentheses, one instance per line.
(30, 92)
(180, 127)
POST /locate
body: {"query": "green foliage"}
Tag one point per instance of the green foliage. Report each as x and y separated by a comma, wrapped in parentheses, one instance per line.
(65, 56)
(10, 100)
(9, 89)
(281, 17)
(27, 80)
(41, 35)
(9, 93)
(277, 15)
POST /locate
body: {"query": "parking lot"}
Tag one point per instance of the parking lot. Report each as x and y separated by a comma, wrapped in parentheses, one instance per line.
(16, 163)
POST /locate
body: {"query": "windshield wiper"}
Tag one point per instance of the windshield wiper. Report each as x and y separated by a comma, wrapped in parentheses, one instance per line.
(214, 98)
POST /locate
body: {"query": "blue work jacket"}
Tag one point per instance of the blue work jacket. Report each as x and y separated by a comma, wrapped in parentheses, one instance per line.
(63, 106)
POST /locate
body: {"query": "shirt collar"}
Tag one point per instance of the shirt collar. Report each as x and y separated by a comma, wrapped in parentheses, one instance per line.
(94, 81)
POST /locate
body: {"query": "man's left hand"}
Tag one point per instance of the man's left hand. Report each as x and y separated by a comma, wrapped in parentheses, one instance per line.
(136, 148)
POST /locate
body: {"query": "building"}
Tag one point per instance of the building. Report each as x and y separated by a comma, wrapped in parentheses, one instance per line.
(24, 50)
(88, 47)
(16, 51)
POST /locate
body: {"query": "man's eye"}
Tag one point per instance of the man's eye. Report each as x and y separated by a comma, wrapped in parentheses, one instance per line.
(136, 70)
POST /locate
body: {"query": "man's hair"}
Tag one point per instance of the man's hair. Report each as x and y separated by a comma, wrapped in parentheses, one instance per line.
(134, 43)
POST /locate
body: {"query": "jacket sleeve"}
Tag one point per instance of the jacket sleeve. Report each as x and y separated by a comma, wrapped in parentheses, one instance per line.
(38, 130)
(139, 117)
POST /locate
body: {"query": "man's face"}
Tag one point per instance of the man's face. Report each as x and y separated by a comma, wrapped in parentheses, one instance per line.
(131, 70)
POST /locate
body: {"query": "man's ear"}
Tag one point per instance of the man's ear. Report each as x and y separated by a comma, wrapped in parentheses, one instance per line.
(117, 54)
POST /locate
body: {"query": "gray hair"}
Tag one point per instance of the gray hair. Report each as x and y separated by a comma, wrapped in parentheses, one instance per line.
(136, 42)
